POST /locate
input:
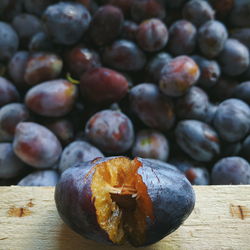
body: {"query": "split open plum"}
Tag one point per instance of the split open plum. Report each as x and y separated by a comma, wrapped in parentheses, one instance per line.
(115, 199)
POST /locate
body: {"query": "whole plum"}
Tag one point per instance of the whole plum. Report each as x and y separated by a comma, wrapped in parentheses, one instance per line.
(232, 120)
(193, 105)
(198, 140)
(151, 144)
(178, 75)
(36, 145)
(53, 98)
(152, 107)
(111, 131)
(231, 170)
(124, 55)
(103, 85)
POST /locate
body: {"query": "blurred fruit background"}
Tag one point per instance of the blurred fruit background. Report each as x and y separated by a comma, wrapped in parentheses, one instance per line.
(161, 79)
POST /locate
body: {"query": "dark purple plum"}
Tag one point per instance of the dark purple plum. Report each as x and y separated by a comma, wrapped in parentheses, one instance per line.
(81, 59)
(144, 9)
(124, 55)
(139, 201)
(239, 16)
(106, 25)
(26, 25)
(210, 71)
(155, 65)
(245, 151)
(103, 85)
(242, 35)
(16, 68)
(234, 58)
(182, 38)
(232, 120)
(231, 171)
(198, 140)
(211, 38)
(242, 91)
(36, 145)
(198, 12)
(52, 98)
(10, 165)
(42, 66)
(10, 115)
(178, 75)
(152, 35)
(151, 144)
(152, 107)
(8, 92)
(77, 152)
(63, 128)
(40, 178)
(111, 131)
(129, 30)
(9, 41)
(193, 105)
(66, 22)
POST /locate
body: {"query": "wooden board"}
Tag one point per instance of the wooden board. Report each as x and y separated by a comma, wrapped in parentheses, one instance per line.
(220, 220)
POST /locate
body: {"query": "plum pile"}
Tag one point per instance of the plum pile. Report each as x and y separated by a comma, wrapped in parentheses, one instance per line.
(159, 79)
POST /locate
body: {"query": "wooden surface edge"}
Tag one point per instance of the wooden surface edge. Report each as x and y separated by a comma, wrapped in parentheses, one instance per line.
(220, 220)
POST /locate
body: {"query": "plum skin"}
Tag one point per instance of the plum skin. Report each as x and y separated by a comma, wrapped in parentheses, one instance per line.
(171, 194)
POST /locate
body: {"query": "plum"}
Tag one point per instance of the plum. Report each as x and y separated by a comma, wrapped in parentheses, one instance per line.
(231, 171)
(151, 144)
(40, 178)
(36, 145)
(232, 120)
(198, 140)
(114, 199)
(153, 108)
(103, 85)
(52, 98)
(178, 75)
(111, 131)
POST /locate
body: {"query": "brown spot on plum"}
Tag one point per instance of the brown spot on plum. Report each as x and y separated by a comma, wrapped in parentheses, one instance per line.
(19, 212)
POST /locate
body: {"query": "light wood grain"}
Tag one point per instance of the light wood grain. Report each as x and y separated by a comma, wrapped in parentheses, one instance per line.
(220, 220)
